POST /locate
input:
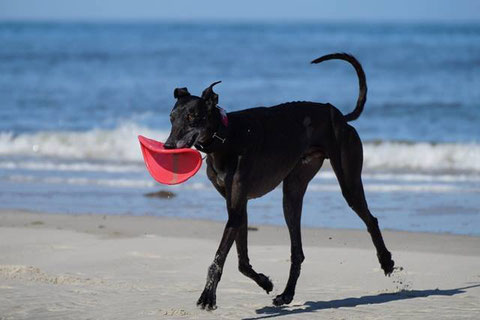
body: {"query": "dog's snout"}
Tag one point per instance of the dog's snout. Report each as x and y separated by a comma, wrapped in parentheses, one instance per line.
(169, 145)
(171, 142)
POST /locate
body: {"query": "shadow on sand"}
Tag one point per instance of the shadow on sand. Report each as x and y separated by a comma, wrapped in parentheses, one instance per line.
(312, 306)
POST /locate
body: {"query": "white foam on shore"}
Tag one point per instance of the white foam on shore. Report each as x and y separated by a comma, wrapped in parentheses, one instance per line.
(121, 145)
(385, 188)
(203, 186)
(405, 177)
(325, 174)
(47, 165)
(118, 183)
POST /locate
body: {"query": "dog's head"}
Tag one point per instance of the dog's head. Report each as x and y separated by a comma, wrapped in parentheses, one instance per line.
(194, 119)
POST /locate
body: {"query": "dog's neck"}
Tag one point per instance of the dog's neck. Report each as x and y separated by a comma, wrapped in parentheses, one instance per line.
(218, 138)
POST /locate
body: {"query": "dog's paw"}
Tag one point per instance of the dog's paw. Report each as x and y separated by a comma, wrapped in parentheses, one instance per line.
(282, 299)
(387, 263)
(207, 300)
(265, 282)
(388, 267)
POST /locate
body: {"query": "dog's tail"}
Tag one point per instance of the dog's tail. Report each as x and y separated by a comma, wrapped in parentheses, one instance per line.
(362, 81)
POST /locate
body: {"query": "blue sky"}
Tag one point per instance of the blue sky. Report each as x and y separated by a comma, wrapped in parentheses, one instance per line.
(245, 10)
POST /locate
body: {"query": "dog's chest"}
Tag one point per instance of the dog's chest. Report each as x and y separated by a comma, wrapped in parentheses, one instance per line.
(217, 171)
(220, 177)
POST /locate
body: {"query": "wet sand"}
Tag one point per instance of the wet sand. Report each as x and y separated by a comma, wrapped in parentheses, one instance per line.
(56, 266)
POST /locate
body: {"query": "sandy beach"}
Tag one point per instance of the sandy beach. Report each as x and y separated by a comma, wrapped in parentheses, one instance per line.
(55, 266)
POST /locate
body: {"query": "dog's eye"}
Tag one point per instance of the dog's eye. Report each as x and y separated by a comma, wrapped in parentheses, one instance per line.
(191, 117)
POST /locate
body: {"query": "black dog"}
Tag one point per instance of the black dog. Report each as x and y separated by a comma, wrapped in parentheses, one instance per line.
(250, 152)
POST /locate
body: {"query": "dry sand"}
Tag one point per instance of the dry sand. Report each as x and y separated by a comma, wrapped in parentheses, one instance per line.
(118, 267)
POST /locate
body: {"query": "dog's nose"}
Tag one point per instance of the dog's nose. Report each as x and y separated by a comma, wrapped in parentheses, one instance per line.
(169, 145)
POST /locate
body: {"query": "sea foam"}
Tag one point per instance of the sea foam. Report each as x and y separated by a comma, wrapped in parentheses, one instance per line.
(121, 145)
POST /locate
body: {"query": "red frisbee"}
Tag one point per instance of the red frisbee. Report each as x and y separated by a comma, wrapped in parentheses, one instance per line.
(169, 166)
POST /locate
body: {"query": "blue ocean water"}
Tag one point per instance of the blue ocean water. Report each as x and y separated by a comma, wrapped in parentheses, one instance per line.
(74, 96)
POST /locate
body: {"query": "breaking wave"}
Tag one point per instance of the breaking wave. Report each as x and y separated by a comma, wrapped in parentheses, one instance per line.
(422, 156)
(121, 145)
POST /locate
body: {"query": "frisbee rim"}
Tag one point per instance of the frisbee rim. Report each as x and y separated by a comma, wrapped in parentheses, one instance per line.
(146, 142)
(151, 146)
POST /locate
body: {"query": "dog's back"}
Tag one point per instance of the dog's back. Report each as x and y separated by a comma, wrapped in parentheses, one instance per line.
(291, 127)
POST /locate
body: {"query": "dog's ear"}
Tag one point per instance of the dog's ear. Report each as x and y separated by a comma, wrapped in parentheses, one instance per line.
(180, 92)
(210, 97)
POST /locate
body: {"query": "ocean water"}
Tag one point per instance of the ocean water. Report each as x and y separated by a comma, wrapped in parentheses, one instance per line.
(74, 97)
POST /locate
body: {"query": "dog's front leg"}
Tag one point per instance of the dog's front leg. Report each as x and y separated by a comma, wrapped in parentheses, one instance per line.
(237, 214)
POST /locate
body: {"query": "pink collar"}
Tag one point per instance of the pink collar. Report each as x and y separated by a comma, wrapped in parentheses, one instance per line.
(224, 116)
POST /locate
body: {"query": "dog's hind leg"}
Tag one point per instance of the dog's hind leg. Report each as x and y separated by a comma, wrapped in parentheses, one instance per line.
(347, 164)
(294, 187)
(244, 263)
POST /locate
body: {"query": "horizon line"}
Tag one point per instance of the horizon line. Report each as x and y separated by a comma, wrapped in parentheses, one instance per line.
(237, 21)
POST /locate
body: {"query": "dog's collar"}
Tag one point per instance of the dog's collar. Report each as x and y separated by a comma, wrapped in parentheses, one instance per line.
(223, 115)
(219, 136)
